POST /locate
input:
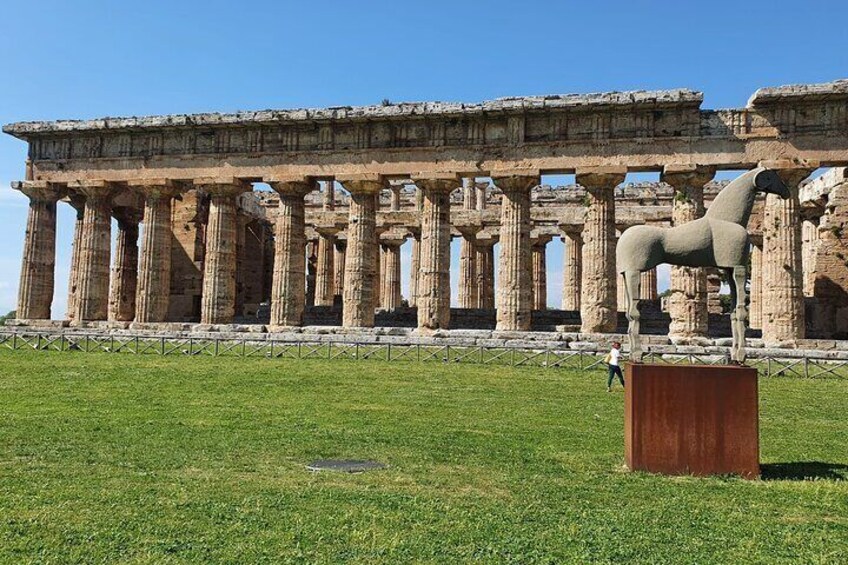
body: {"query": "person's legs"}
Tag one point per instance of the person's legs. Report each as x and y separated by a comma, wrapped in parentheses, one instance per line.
(611, 369)
(620, 375)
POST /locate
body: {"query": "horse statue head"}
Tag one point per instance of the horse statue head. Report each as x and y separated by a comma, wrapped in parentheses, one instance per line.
(769, 182)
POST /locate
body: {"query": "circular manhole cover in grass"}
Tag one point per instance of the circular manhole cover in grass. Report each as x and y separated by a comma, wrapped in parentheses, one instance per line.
(345, 465)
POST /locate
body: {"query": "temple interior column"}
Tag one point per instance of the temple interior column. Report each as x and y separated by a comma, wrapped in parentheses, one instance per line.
(154, 277)
(77, 201)
(468, 284)
(620, 291)
(361, 254)
(219, 267)
(390, 294)
(35, 293)
(514, 294)
(783, 314)
(571, 270)
(311, 271)
(339, 268)
(809, 248)
(124, 280)
(714, 291)
(324, 274)
(598, 277)
(540, 273)
(755, 309)
(414, 264)
(486, 273)
(687, 303)
(433, 299)
(648, 285)
(92, 302)
(241, 244)
(288, 288)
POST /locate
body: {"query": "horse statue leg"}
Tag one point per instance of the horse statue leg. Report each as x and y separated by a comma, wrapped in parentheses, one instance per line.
(632, 283)
(740, 311)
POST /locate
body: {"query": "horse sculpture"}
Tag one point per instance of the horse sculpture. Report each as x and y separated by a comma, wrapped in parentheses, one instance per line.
(718, 239)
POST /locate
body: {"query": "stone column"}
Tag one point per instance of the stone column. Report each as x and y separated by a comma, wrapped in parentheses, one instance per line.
(514, 300)
(433, 299)
(620, 291)
(755, 308)
(414, 264)
(154, 277)
(288, 289)
(77, 201)
(35, 293)
(687, 303)
(540, 274)
(324, 274)
(124, 281)
(361, 258)
(338, 267)
(783, 295)
(95, 251)
(486, 273)
(809, 247)
(482, 195)
(311, 269)
(468, 290)
(394, 203)
(648, 285)
(219, 266)
(598, 277)
(390, 293)
(571, 270)
(714, 291)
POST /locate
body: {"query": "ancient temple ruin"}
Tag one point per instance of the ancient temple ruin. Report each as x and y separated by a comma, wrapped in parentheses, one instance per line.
(197, 243)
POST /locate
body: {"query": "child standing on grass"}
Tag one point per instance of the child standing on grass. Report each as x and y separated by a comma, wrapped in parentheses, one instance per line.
(612, 360)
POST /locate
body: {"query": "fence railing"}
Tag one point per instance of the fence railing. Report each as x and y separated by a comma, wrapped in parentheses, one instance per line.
(542, 357)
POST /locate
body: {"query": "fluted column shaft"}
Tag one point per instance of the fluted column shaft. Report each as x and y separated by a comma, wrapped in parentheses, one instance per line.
(288, 288)
(124, 281)
(755, 309)
(414, 264)
(688, 301)
(361, 255)
(598, 311)
(571, 271)
(486, 274)
(77, 200)
(540, 276)
(809, 247)
(434, 262)
(35, 293)
(219, 270)
(514, 293)
(468, 291)
(783, 297)
(154, 275)
(95, 252)
(648, 286)
(311, 269)
(338, 267)
(390, 293)
(324, 274)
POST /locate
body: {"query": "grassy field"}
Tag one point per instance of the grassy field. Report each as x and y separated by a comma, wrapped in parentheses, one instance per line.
(146, 459)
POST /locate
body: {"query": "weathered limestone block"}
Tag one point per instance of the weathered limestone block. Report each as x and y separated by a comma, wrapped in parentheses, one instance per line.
(361, 255)
(598, 277)
(35, 293)
(77, 201)
(433, 299)
(95, 251)
(687, 303)
(486, 273)
(831, 274)
(540, 274)
(390, 293)
(514, 300)
(783, 314)
(324, 274)
(154, 277)
(219, 273)
(288, 289)
(571, 270)
(124, 281)
(189, 226)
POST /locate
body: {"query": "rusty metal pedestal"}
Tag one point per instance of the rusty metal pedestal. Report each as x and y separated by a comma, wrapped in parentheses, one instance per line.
(691, 420)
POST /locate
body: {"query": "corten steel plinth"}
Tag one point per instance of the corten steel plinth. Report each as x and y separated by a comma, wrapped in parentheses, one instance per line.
(691, 420)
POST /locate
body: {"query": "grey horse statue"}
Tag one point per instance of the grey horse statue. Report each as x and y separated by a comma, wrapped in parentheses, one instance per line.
(718, 239)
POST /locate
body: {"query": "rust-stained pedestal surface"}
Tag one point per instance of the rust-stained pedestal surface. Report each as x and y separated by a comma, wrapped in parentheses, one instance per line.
(692, 419)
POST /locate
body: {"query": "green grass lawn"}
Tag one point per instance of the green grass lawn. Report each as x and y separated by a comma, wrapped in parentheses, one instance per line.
(146, 459)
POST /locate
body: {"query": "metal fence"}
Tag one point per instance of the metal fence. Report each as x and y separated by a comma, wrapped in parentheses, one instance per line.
(771, 366)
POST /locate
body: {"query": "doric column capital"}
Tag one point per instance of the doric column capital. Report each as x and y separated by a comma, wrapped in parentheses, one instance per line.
(790, 171)
(601, 177)
(682, 177)
(126, 215)
(363, 183)
(221, 186)
(539, 240)
(327, 231)
(571, 231)
(40, 191)
(96, 190)
(392, 242)
(518, 180)
(437, 182)
(154, 189)
(291, 186)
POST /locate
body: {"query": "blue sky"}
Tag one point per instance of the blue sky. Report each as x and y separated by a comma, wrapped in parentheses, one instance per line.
(88, 59)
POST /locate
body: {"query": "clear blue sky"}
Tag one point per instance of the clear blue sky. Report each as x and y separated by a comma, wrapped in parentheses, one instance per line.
(85, 59)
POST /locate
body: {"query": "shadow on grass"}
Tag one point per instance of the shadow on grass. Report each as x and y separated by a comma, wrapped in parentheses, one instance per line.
(804, 471)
